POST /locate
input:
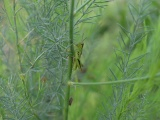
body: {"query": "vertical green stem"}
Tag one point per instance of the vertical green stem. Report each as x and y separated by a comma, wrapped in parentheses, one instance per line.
(71, 40)
(66, 110)
(70, 64)
(16, 34)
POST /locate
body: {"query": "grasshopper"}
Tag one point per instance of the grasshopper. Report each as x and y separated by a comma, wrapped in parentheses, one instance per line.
(77, 55)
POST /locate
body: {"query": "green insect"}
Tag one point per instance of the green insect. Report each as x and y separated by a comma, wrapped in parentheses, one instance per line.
(77, 56)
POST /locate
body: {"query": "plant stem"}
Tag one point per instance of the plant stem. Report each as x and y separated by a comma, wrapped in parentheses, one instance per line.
(66, 110)
(71, 22)
(16, 34)
(111, 82)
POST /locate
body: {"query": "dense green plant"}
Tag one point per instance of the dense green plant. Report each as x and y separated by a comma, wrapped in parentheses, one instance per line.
(40, 33)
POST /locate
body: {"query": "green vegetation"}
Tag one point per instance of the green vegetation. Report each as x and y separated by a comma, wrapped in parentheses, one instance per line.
(71, 60)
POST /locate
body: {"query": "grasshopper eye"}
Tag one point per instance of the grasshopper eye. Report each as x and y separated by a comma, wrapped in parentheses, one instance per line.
(82, 44)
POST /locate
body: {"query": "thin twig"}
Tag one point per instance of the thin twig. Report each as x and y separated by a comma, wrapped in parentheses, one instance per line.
(111, 82)
(71, 22)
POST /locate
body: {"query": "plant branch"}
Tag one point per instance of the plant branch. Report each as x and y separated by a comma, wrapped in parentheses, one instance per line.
(111, 82)
(81, 7)
(16, 34)
(71, 22)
